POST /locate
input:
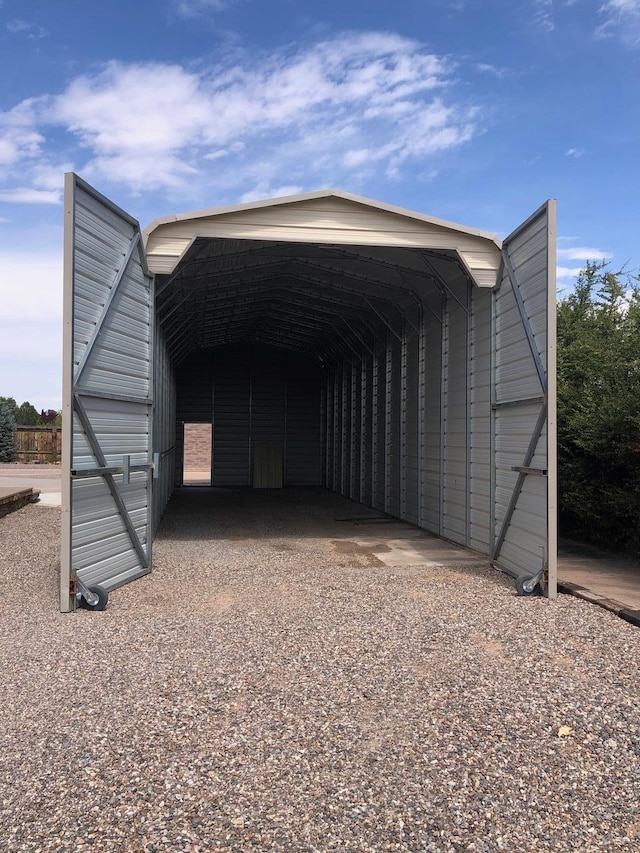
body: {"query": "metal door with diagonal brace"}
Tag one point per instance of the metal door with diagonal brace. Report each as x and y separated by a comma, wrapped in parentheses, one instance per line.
(107, 396)
(524, 482)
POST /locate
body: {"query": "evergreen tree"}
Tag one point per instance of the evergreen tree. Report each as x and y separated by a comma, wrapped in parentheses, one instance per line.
(8, 447)
(27, 415)
(599, 408)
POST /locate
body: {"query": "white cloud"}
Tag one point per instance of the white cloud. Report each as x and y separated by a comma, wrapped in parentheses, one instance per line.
(621, 19)
(265, 190)
(583, 253)
(157, 125)
(574, 152)
(543, 15)
(19, 136)
(28, 195)
(33, 31)
(563, 273)
(493, 70)
(197, 8)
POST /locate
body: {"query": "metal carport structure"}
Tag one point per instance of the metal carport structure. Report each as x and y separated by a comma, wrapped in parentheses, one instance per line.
(400, 360)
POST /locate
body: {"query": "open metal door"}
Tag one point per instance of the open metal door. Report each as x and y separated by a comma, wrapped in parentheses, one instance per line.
(107, 396)
(524, 475)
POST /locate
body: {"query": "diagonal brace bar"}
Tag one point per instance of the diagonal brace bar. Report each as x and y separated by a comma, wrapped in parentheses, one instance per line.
(542, 374)
(135, 241)
(94, 444)
(531, 449)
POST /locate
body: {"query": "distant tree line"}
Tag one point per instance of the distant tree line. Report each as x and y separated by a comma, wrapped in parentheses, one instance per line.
(26, 414)
(599, 409)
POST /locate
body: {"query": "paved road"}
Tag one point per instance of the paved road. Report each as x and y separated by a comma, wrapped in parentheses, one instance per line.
(44, 478)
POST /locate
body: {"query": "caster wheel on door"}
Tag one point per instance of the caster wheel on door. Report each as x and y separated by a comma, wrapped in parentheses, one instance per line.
(526, 584)
(100, 604)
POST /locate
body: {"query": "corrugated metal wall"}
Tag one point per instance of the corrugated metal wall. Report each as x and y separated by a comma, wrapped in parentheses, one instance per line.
(414, 418)
(480, 420)
(109, 322)
(254, 394)
(520, 405)
(164, 426)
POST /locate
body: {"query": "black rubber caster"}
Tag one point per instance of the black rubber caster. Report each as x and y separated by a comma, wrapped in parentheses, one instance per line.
(524, 585)
(101, 603)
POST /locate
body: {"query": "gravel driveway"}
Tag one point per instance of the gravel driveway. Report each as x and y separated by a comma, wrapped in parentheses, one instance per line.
(270, 688)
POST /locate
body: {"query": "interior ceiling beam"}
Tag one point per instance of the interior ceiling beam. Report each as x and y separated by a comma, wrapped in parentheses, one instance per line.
(257, 295)
(362, 295)
(282, 316)
(215, 278)
(364, 257)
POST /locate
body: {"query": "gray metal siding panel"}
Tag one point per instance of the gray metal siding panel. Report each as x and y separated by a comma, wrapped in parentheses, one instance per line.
(337, 430)
(303, 442)
(525, 545)
(329, 431)
(411, 433)
(231, 425)
(324, 449)
(345, 429)
(366, 427)
(454, 519)
(111, 331)
(356, 427)
(431, 373)
(379, 430)
(164, 426)
(255, 393)
(480, 482)
(393, 414)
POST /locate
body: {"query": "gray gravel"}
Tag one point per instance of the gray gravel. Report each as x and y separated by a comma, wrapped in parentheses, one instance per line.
(267, 689)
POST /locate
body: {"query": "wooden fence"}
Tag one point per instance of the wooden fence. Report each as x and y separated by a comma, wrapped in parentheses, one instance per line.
(39, 444)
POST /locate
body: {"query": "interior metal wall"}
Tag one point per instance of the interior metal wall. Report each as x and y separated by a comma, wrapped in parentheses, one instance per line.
(253, 394)
(164, 427)
(406, 428)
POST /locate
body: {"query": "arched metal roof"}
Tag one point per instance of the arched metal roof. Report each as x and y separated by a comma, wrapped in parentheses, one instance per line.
(321, 272)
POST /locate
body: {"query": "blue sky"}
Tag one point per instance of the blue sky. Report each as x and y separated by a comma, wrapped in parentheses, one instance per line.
(470, 111)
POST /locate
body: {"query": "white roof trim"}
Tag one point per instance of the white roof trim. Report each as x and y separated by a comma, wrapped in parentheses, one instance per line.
(292, 199)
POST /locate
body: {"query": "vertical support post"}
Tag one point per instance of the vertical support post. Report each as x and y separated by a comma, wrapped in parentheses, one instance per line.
(67, 600)
(375, 416)
(552, 441)
(354, 454)
(444, 331)
(422, 406)
(469, 359)
(344, 445)
(388, 414)
(493, 416)
(403, 422)
(365, 432)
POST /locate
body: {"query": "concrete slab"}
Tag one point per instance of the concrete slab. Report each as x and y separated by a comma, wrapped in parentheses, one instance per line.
(50, 499)
(599, 576)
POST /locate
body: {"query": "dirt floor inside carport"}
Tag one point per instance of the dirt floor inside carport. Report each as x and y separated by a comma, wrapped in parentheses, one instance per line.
(300, 674)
